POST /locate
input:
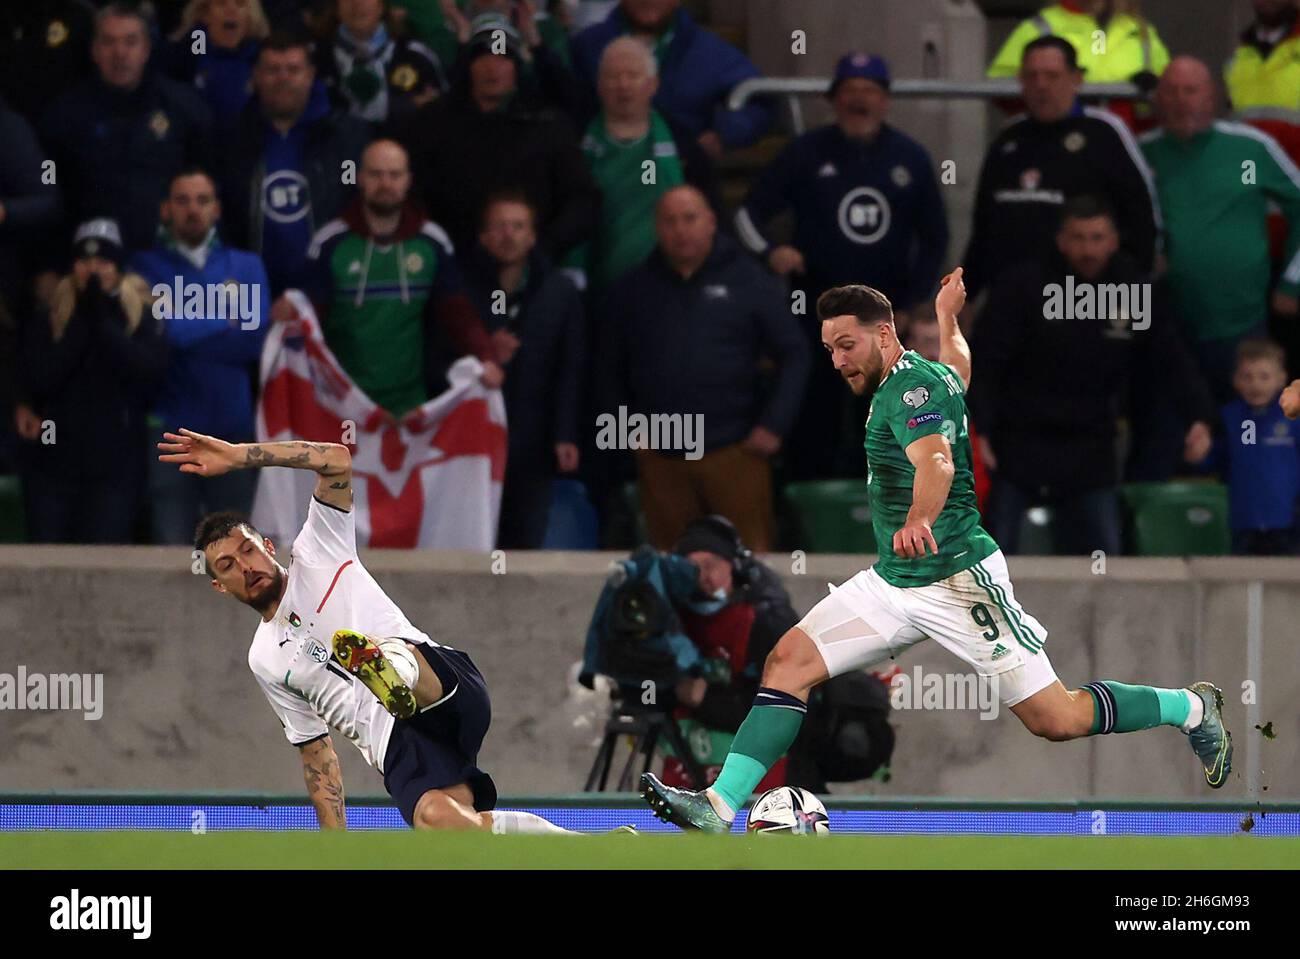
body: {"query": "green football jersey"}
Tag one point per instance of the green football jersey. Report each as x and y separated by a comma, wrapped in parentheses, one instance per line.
(919, 397)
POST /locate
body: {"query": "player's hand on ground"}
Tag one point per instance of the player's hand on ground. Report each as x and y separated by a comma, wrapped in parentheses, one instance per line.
(952, 294)
(196, 453)
(1290, 401)
(1197, 443)
(785, 260)
(914, 539)
(762, 442)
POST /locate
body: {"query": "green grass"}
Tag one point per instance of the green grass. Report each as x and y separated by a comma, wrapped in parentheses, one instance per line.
(408, 850)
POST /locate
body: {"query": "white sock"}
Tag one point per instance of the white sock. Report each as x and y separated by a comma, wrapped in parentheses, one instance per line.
(508, 822)
(1195, 714)
(720, 806)
(403, 660)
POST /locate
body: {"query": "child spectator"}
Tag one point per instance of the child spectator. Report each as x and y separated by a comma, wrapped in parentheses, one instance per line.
(1257, 454)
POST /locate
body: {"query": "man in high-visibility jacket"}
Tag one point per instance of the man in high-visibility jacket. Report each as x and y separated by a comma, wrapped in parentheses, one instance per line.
(1114, 42)
(1263, 75)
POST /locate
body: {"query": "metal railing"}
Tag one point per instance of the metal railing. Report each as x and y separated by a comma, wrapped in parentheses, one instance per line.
(791, 88)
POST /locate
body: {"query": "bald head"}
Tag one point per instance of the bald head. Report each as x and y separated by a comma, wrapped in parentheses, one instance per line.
(685, 225)
(1186, 98)
(385, 177)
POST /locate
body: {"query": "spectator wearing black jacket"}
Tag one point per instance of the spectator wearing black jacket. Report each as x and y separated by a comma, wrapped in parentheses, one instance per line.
(91, 368)
(1059, 150)
(119, 137)
(44, 51)
(30, 208)
(282, 169)
(1064, 345)
(534, 314)
(492, 133)
(682, 336)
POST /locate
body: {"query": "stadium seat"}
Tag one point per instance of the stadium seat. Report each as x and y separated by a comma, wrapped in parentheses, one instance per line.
(13, 526)
(831, 516)
(1178, 519)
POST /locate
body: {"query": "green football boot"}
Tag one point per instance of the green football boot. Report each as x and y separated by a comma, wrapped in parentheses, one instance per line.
(1211, 742)
(684, 808)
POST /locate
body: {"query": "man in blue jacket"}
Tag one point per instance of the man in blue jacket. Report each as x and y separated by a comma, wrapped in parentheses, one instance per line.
(866, 210)
(684, 336)
(215, 306)
(697, 69)
(282, 166)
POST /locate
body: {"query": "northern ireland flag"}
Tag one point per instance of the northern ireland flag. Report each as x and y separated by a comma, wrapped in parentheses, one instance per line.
(431, 480)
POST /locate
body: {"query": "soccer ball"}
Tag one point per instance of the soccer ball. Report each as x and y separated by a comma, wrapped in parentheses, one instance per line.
(788, 809)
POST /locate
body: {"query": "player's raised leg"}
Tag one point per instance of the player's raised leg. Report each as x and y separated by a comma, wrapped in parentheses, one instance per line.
(1106, 706)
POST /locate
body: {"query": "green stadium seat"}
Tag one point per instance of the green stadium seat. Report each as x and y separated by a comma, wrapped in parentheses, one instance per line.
(13, 525)
(1178, 519)
(831, 516)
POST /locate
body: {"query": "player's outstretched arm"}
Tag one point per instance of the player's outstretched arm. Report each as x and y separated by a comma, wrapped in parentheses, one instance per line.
(210, 456)
(324, 778)
(953, 348)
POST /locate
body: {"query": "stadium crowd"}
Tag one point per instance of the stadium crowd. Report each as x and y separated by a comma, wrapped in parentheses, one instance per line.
(537, 185)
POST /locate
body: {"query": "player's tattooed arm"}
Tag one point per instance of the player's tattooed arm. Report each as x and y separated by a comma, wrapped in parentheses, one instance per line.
(324, 778)
(204, 455)
(331, 461)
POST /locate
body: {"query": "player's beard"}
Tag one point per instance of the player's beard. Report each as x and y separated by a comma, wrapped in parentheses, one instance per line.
(868, 378)
(267, 592)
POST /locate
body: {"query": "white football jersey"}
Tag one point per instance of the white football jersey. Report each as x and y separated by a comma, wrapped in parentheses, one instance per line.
(292, 656)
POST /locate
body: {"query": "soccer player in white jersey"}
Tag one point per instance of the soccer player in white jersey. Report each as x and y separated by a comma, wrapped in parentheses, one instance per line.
(333, 651)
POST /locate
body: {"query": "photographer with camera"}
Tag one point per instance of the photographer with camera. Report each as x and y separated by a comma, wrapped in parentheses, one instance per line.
(685, 634)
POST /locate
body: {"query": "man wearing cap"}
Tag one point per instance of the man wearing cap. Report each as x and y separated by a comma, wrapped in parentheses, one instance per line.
(493, 132)
(91, 365)
(867, 210)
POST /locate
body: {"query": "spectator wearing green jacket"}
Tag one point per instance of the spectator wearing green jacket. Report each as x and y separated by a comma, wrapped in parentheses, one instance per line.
(1215, 181)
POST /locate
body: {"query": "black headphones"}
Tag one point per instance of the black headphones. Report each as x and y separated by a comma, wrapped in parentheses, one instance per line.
(742, 561)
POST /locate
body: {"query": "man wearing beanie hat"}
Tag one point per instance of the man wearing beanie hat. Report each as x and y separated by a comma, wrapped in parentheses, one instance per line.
(493, 133)
(867, 210)
(739, 611)
(90, 367)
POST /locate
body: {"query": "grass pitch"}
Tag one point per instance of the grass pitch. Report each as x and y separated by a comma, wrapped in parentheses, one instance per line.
(410, 850)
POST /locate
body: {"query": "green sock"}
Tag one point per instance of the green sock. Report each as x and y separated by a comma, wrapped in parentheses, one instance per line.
(762, 739)
(1121, 708)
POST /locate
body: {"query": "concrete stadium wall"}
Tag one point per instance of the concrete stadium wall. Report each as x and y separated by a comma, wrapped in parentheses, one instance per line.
(182, 714)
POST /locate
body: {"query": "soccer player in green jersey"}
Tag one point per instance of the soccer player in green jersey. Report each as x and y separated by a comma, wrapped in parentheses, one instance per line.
(939, 575)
